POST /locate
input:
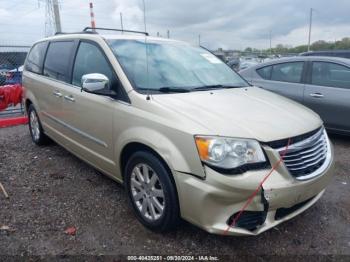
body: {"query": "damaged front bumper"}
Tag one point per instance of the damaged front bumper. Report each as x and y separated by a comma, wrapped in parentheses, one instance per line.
(211, 203)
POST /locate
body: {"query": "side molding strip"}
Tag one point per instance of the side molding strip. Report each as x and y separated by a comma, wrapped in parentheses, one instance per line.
(76, 130)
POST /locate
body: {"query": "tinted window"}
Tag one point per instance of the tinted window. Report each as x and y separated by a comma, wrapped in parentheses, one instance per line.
(58, 59)
(287, 72)
(330, 74)
(35, 58)
(90, 59)
(265, 72)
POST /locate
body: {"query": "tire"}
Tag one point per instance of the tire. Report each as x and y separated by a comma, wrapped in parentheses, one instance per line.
(35, 127)
(153, 198)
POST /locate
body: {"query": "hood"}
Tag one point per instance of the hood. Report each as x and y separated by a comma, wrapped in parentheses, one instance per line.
(242, 112)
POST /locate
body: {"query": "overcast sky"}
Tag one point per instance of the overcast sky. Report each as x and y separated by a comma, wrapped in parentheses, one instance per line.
(233, 24)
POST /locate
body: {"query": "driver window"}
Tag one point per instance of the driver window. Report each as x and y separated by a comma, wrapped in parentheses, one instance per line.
(90, 59)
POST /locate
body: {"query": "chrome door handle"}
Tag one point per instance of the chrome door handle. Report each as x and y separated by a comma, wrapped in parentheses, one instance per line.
(69, 98)
(57, 94)
(317, 95)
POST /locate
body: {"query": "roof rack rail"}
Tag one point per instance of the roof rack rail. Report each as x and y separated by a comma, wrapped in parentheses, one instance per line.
(86, 29)
(82, 32)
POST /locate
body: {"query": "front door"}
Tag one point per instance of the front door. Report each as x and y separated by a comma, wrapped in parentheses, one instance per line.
(328, 94)
(89, 117)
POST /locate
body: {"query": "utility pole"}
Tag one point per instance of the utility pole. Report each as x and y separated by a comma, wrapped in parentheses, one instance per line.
(199, 40)
(168, 33)
(56, 13)
(121, 21)
(144, 14)
(310, 26)
(270, 36)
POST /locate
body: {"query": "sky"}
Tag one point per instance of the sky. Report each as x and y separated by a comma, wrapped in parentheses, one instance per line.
(229, 24)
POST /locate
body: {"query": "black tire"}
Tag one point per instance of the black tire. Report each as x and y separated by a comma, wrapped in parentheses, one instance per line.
(39, 139)
(170, 217)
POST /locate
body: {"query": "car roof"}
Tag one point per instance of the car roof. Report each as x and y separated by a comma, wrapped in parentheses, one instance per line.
(302, 59)
(326, 51)
(120, 36)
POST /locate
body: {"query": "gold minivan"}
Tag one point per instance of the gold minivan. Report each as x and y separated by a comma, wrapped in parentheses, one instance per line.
(186, 135)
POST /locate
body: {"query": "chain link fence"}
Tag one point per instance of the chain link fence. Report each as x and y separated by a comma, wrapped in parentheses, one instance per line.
(11, 67)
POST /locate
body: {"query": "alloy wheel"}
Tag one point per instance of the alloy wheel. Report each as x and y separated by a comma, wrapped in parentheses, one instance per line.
(34, 125)
(147, 192)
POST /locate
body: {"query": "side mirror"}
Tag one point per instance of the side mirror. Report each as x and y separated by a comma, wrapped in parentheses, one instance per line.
(94, 83)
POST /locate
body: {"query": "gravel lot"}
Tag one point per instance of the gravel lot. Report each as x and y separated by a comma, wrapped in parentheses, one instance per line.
(51, 190)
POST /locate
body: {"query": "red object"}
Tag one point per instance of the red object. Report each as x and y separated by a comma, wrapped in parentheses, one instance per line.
(71, 231)
(10, 94)
(92, 16)
(5, 122)
(250, 199)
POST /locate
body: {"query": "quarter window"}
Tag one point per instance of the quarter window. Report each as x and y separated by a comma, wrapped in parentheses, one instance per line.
(330, 74)
(35, 58)
(58, 60)
(265, 72)
(90, 59)
(288, 72)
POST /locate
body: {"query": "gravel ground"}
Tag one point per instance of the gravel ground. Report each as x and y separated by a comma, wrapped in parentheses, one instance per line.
(51, 190)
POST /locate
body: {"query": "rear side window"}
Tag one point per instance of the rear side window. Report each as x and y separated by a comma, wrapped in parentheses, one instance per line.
(90, 59)
(330, 74)
(35, 59)
(265, 72)
(288, 72)
(58, 60)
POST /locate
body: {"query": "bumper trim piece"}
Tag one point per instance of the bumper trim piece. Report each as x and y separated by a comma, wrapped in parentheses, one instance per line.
(283, 212)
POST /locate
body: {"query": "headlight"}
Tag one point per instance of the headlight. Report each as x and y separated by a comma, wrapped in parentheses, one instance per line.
(229, 153)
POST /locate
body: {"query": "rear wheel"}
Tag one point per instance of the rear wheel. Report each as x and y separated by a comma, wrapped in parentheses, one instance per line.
(35, 128)
(151, 192)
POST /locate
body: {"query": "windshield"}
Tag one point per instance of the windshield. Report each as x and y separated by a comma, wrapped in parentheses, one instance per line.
(172, 66)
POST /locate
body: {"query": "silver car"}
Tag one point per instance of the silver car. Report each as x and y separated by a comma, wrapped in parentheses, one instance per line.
(320, 83)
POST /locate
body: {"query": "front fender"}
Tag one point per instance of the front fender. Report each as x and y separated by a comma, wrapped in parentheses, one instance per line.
(181, 156)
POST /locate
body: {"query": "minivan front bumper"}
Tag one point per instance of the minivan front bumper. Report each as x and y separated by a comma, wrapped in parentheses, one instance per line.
(210, 203)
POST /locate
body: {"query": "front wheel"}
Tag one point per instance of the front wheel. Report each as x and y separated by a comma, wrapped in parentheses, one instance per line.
(152, 192)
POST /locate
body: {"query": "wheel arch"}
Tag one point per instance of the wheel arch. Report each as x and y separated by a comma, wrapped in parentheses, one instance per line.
(27, 103)
(178, 152)
(133, 147)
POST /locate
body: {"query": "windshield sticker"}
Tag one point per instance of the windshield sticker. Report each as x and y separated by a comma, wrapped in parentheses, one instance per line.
(212, 58)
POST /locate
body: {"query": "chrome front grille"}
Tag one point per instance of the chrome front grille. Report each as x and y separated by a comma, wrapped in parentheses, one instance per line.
(308, 158)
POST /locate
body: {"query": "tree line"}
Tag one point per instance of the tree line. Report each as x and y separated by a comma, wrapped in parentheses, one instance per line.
(319, 45)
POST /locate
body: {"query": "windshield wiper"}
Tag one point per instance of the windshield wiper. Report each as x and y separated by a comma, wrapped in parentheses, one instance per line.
(210, 87)
(169, 89)
(166, 89)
